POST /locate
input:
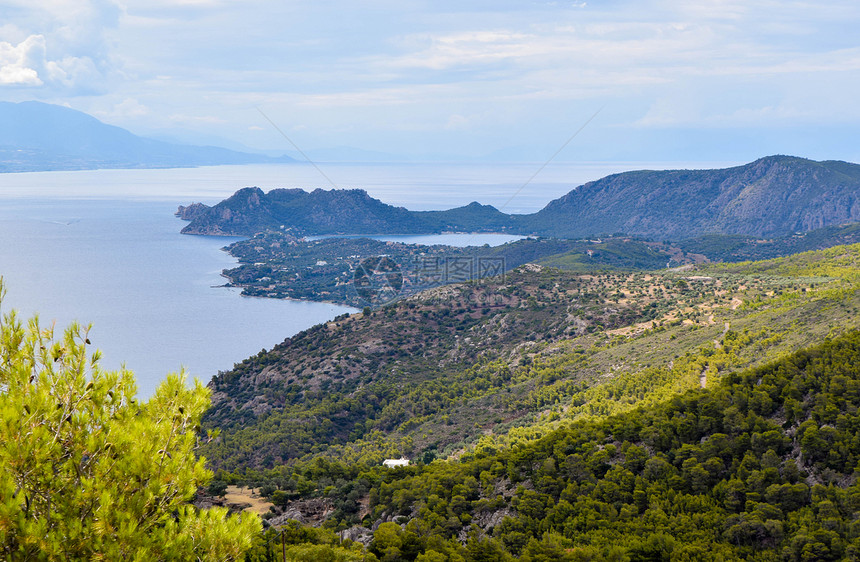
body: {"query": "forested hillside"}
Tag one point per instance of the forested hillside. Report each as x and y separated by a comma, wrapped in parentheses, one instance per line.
(733, 248)
(702, 414)
(434, 373)
(760, 467)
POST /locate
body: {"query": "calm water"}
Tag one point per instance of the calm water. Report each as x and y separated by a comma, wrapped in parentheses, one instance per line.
(414, 186)
(121, 266)
(103, 247)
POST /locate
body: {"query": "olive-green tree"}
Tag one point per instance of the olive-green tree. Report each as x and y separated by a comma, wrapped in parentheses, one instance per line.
(88, 472)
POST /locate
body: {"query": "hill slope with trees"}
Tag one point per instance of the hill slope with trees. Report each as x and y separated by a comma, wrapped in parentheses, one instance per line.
(761, 467)
(739, 441)
(433, 374)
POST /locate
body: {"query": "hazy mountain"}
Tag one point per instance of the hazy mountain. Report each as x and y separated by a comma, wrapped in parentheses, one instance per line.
(39, 136)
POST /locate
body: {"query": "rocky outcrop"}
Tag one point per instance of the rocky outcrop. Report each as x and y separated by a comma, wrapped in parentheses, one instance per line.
(246, 212)
(308, 512)
(191, 212)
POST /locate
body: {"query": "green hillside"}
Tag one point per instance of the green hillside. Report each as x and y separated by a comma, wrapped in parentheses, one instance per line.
(707, 414)
(504, 360)
(760, 467)
(727, 248)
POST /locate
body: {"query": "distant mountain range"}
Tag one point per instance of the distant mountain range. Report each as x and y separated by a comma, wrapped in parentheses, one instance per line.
(38, 136)
(773, 196)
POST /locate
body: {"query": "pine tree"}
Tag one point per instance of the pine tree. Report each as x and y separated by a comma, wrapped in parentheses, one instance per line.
(87, 471)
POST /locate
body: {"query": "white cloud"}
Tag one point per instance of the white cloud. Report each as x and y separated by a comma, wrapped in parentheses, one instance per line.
(16, 62)
(27, 64)
(458, 69)
(61, 47)
(18, 75)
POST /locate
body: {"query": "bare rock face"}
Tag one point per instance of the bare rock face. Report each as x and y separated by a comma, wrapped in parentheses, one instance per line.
(307, 512)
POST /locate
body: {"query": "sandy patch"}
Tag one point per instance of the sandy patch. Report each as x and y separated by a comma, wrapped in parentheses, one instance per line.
(246, 496)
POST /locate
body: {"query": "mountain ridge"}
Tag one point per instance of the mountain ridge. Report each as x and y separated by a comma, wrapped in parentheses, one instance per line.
(320, 212)
(772, 196)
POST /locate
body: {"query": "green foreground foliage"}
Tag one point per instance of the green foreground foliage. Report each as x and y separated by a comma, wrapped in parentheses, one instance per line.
(88, 472)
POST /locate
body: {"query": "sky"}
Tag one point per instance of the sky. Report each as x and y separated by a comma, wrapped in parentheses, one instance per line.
(601, 80)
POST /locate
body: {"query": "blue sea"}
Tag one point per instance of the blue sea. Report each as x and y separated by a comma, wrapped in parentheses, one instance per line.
(103, 248)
